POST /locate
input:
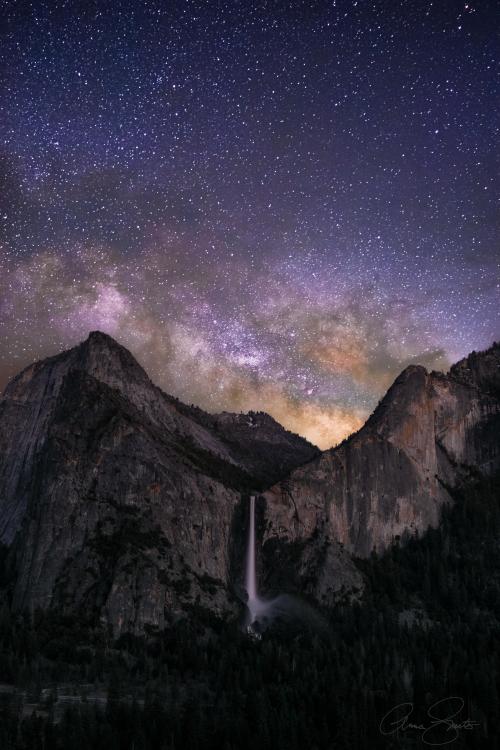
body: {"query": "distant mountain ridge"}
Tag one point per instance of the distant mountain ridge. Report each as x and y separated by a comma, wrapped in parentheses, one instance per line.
(121, 503)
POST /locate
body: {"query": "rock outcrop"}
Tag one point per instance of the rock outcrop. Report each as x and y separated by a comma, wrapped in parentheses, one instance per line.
(118, 500)
(429, 433)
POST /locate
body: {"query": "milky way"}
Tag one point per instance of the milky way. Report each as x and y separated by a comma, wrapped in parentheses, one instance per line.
(275, 206)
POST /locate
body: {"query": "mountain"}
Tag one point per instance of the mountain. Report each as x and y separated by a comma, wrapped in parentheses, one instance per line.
(117, 500)
(430, 433)
(122, 505)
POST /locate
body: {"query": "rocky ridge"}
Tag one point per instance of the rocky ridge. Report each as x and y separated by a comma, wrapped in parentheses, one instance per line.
(117, 500)
(121, 503)
(430, 433)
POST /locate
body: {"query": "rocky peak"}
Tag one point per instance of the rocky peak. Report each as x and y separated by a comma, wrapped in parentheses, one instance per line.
(31, 401)
(99, 356)
(106, 360)
(429, 433)
(117, 497)
(400, 401)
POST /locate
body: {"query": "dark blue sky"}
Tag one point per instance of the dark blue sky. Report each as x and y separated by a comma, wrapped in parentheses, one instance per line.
(274, 205)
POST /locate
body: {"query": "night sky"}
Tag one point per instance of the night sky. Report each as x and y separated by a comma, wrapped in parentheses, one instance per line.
(275, 206)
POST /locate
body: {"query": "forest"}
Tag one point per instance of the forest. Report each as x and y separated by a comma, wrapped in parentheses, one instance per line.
(426, 629)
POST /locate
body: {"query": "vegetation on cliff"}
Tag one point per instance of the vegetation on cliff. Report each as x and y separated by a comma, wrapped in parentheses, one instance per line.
(427, 628)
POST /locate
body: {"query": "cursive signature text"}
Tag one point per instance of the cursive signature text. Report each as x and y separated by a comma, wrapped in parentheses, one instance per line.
(442, 728)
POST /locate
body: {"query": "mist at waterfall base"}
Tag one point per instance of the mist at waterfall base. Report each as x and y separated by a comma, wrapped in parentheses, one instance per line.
(261, 612)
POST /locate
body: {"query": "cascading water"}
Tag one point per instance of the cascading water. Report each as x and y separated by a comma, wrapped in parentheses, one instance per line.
(250, 581)
(256, 606)
(261, 612)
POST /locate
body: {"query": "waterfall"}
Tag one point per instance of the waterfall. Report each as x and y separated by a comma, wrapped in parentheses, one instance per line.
(254, 604)
(250, 577)
(261, 612)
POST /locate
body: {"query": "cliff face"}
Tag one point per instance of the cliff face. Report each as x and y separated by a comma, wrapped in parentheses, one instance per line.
(429, 433)
(118, 500)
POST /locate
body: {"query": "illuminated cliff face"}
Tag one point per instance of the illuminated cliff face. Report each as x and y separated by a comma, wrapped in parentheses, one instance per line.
(108, 486)
(118, 499)
(430, 432)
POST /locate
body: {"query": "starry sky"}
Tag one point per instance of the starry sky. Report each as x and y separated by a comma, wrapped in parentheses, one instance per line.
(274, 205)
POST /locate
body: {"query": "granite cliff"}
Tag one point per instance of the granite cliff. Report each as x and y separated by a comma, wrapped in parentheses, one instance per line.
(430, 433)
(119, 501)
(123, 504)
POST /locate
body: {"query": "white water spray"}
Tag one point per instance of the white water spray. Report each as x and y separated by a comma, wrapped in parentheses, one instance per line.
(251, 578)
(263, 611)
(256, 606)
